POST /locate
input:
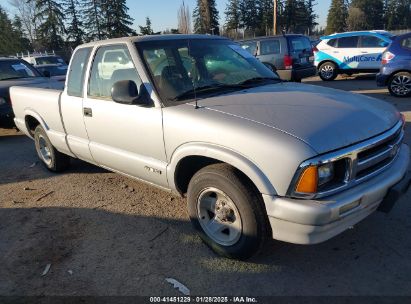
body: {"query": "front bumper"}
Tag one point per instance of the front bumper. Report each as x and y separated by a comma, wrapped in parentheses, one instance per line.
(297, 74)
(315, 221)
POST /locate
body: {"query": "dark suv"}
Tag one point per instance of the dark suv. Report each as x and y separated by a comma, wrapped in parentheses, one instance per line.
(290, 55)
(395, 71)
(17, 72)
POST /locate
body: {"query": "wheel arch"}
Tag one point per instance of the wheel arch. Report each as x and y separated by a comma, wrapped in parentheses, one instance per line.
(32, 119)
(328, 60)
(190, 158)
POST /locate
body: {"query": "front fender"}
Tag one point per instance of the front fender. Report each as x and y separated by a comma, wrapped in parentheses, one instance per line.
(222, 154)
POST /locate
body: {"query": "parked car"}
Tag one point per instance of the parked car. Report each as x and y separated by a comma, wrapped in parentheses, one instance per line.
(54, 71)
(41, 59)
(14, 72)
(291, 56)
(395, 71)
(350, 53)
(257, 157)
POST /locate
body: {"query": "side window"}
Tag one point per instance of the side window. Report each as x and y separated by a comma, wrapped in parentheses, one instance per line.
(250, 47)
(348, 42)
(406, 43)
(77, 72)
(268, 47)
(372, 42)
(111, 64)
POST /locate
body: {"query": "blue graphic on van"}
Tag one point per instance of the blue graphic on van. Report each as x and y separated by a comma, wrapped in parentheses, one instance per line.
(362, 58)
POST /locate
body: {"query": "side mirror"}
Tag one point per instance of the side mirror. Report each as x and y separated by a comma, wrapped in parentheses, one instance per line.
(126, 92)
(47, 74)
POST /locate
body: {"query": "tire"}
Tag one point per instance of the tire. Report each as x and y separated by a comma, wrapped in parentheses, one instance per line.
(227, 211)
(52, 159)
(272, 68)
(399, 85)
(328, 71)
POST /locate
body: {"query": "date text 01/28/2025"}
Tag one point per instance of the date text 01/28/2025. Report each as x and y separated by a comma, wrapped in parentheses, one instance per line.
(198, 299)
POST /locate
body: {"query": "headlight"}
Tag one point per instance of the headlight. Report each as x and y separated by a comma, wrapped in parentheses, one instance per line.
(325, 174)
(2, 101)
(319, 178)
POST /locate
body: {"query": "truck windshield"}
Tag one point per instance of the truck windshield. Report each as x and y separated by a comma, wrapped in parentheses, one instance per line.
(187, 69)
(15, 69)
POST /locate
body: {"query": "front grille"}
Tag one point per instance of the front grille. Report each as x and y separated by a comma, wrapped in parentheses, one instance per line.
(378, 156)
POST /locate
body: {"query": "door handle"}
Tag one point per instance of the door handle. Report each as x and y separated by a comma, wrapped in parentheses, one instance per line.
(88, 112)
(364, 52)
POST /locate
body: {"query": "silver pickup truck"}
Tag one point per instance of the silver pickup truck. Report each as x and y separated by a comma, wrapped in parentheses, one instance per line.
(256, 157)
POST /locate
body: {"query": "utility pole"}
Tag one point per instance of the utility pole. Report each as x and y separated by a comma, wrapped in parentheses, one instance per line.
(275, 17)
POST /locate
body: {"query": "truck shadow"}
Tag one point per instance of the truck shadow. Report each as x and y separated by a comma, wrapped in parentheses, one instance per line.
(99, 252)
(19, 162)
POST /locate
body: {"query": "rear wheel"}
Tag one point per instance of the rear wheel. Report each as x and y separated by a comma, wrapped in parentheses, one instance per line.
(400, 84)
(328, 71)
(53, 160)
(227, 211)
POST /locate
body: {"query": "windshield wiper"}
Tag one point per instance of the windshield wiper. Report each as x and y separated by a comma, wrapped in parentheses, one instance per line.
(205, 89)
(259, 80)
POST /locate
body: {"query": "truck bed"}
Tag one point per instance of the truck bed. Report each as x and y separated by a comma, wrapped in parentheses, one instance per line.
(42, 105)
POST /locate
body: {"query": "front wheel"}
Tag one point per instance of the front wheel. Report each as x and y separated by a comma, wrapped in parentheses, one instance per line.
(400, 85)
(52, 159)
(227, 211)
(328, 71)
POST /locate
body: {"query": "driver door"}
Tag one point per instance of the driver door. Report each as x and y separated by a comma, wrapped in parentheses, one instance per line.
(124, 138)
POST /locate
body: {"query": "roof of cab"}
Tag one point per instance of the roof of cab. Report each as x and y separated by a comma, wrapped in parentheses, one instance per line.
(151, 38)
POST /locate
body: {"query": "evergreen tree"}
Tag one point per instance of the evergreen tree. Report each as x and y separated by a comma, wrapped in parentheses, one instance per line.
(266, 16)
(205, 16)
(23, 43)
(397, 14)
(311, 16)
(373, 11)
(250, 15)
(51, 23)
(337, 16)
(117, 21)
(12, 38)
(74, 30)
(92, 15)
(233, 15)
(146, 30)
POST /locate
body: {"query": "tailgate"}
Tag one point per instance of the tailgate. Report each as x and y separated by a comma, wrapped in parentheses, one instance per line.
(301, 52)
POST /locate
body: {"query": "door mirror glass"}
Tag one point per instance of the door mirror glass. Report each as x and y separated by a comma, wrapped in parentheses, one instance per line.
(47, 74)
(125, 92)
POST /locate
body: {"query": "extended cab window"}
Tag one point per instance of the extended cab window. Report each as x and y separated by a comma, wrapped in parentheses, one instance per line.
(348, 42)
(77, 72)
(111, 64)
(268, 47)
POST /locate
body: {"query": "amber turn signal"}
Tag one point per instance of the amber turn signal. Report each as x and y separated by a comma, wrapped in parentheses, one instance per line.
(308, 182)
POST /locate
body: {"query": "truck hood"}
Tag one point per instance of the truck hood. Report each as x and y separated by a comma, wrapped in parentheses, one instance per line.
(325, 119)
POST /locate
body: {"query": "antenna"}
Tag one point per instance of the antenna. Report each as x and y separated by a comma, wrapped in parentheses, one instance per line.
(194, 87)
